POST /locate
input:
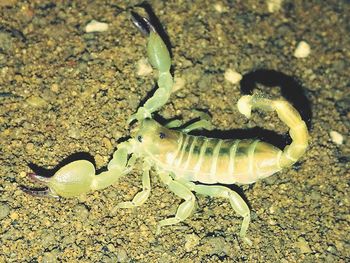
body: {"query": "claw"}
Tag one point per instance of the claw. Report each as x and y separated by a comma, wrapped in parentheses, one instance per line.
(39, 192)
(37, 178)
(132, 118)
(71, 180)
(79, 177)
(142, 23)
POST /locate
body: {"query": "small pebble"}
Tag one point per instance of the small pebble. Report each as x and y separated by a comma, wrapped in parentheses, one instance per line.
(47, 238)
(36, 102)
(14, 216)
(55, 88)
(272, 222)
(303, 245)
(30, 147)
(6, 42)
(22, 174)
(332, 249)
(143, 68)
(218, 7)
(315, 195)
(74, 133)
(95, 26)
(107, 143)
(49, 257)
(121, 254)
(272, 209)
(81, 211)
(203, 83)
(99, 160)
(303, 50)
(336, 137)
(192, 240)
(217, 245)
(111, 247)
(273, 5)
(232, 76)
(179, 83)
(4, 210)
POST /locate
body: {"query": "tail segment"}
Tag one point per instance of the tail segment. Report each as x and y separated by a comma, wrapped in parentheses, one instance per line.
(290, 116)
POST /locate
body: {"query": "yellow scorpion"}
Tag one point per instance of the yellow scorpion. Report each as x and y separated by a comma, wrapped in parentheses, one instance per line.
(185, 163)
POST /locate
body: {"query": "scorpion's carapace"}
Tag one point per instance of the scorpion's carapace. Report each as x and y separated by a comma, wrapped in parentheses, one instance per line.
(181, 159)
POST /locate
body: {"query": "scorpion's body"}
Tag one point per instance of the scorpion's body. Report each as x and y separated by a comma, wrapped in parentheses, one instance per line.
(182, 159)
(207, 160)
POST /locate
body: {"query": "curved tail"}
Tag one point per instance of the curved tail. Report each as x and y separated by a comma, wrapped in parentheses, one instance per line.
(290, 116)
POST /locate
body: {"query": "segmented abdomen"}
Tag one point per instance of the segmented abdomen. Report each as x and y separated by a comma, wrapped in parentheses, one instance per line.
(211, 160)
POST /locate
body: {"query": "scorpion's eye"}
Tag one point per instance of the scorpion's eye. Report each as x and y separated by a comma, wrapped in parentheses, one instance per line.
(162, 135)
(139, 138)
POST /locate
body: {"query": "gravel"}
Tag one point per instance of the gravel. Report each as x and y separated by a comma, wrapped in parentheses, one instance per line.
(70, 93)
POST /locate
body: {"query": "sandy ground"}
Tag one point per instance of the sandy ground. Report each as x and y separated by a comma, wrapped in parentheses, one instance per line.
(64, 91)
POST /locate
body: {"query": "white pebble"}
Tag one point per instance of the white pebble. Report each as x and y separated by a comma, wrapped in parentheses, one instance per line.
(218, 7)
(336, 137)
(143, 68)
(232, 76)
(95, 26)
(273, 5)
(179, 83)
(244, 106)
(303, 50)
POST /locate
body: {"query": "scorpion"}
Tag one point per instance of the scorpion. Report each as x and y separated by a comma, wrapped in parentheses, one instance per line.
(187, 164)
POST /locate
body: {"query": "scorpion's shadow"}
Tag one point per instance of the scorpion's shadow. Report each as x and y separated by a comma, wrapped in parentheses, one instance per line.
(291, 89)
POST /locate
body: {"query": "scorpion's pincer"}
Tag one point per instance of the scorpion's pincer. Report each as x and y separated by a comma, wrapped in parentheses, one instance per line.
(40, 192)
(71, 180)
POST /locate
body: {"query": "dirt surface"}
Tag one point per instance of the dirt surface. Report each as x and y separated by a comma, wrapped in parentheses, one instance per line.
(64, 91)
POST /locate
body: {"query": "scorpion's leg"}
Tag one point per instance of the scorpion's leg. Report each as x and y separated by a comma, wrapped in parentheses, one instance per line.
(236, 201)
(159, 57)
(198, 125)
(79, 177)
(141, 197)
(173, 124)
(203, 123)
(186, 208)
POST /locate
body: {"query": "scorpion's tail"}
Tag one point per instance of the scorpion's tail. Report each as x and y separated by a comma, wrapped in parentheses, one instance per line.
(290, 116)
